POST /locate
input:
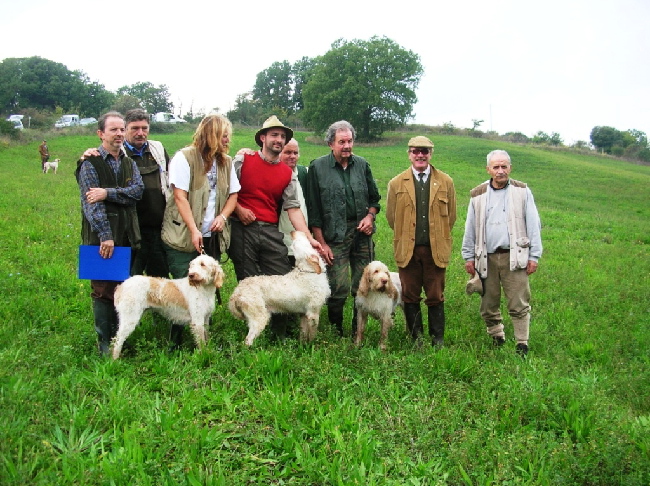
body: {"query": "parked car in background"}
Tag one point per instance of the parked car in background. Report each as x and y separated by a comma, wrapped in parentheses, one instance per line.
(87, 121)
(67, 121)
(17, 120)
(162, 117)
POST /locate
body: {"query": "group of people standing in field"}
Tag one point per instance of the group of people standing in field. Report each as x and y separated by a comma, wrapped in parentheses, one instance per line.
(202, 200)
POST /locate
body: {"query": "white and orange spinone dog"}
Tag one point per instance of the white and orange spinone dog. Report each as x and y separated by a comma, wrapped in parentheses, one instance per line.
(188, 301)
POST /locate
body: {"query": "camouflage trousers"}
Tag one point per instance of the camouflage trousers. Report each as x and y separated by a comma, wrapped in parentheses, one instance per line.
(350, 257)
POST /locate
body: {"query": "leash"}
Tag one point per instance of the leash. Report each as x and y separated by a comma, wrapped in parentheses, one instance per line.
(218, 292)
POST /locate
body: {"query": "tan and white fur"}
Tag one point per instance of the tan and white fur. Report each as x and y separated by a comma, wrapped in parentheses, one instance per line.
(304, 290)
(54, 165)
(379, 294)
(188, 300)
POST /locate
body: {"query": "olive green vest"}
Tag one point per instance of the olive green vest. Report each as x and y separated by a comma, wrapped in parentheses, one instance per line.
(122, 219)
(175, 232)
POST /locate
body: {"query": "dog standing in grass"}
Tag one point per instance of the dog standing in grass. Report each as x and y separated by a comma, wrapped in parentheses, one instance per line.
(188, 300)
(304, 290)
(379, 294)
(54, 165)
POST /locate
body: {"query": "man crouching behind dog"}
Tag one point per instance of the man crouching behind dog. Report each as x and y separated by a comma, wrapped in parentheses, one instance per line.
(421, 211)
(109, 183)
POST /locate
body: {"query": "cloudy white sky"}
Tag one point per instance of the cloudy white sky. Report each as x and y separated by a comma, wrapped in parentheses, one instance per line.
(557, 65)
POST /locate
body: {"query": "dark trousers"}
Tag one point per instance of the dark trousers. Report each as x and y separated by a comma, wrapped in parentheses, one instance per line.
(422, 273)
(150, 258)
(257, 249)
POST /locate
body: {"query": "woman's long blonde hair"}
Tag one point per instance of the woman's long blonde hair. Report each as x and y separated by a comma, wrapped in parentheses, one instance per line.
(208, 140)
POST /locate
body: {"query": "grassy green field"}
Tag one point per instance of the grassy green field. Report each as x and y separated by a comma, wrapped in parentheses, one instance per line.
(576, 412)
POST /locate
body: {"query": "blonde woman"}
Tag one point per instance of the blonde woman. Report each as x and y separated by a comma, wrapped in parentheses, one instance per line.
(205, 188)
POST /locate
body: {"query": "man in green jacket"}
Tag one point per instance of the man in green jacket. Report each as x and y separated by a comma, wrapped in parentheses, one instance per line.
(421, 211)
(342, 203)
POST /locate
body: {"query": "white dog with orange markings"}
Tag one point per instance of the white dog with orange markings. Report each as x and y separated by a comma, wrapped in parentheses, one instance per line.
(54, 165)
(379, 294)
(303, 291)
(188, 300)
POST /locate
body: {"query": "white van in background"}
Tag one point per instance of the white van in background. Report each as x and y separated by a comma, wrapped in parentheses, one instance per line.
(67, 121)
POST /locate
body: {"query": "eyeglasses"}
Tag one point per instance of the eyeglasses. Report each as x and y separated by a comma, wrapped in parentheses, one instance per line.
(423, 151)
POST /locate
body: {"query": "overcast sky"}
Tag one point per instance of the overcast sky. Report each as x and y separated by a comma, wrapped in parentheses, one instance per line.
(557, 65)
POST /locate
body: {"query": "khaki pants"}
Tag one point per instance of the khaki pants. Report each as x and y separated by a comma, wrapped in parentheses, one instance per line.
(517, 292)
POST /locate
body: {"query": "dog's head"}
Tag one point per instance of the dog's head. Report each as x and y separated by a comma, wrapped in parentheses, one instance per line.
(307, 259)
(205, 270)
(57, 161)
(376, 278)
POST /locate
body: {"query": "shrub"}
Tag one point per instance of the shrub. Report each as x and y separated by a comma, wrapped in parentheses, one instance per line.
(7, 128)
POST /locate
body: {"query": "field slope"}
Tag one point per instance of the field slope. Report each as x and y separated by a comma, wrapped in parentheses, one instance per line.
(576, 412)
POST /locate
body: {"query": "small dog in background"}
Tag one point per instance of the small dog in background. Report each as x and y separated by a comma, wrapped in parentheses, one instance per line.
(303, 291)
(380, 292)
(51, 165)
(188, 300)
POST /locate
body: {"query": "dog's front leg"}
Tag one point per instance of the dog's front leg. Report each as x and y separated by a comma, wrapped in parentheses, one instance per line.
(308, 327)
(386, 324)
(362, 321)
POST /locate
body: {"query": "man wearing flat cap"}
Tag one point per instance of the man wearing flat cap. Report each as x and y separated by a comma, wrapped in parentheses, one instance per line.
(421, 210)
(267, 186)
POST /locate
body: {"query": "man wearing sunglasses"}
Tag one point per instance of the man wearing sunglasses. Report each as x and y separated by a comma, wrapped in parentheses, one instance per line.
(421, 211)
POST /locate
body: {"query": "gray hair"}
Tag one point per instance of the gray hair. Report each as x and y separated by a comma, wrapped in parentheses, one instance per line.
(136, 114)
(101, 124)
(335, 127)
(495, 153)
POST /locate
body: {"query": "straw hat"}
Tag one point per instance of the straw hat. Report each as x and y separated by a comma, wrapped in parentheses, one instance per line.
(272, 122)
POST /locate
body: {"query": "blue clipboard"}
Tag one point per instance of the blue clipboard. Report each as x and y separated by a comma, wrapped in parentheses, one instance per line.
(93, 267)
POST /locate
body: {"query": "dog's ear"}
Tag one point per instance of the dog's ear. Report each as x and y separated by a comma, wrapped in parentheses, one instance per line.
(391, 290)
(364, 283)
(314, 261)
(218, 276)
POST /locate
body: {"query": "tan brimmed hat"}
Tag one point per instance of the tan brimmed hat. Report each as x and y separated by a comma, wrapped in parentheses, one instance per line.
(420, 141)
(474, 285)
(272, 122)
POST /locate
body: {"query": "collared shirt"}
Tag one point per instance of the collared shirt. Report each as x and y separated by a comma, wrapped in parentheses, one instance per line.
(426, 173)
(135, 151)
(96, 213)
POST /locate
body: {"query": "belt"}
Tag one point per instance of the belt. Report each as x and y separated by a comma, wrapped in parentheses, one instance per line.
(502, 250)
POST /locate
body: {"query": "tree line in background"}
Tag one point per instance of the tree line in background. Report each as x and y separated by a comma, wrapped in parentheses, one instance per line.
(43, 90)
(371, 83)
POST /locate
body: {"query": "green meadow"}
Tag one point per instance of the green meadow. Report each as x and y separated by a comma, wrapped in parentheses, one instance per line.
(575, 412)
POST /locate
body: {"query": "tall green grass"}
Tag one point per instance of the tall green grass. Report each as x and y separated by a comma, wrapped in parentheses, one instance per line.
(577, 411)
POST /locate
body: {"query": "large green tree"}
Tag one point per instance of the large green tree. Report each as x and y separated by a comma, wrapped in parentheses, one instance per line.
(152, 98)
(38, 83)
(605, 138)
(370, 83)
(273, 87)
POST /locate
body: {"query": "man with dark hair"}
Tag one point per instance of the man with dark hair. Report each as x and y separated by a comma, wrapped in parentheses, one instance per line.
(109, 184)
(45, 154)
(153, 161)
(267, 186)
(342, 204)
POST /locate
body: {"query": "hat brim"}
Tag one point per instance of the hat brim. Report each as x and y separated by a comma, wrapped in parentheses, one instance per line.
(262, 131)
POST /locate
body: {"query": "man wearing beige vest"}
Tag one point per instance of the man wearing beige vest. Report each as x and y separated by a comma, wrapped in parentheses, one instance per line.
(503, 243)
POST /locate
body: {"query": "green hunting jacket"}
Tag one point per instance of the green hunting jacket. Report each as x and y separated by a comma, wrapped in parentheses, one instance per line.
(326, 203)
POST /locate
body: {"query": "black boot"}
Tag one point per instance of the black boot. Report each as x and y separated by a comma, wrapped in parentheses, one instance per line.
(176, 337)
(437, 324)
(354, 323)
(413, 318)
(105, 325)
(335, 314)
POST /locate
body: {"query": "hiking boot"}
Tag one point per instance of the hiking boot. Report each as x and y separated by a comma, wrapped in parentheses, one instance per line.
(498, 341)
(521, 349)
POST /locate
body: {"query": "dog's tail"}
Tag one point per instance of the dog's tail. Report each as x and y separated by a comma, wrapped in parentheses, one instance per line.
(233, 306)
